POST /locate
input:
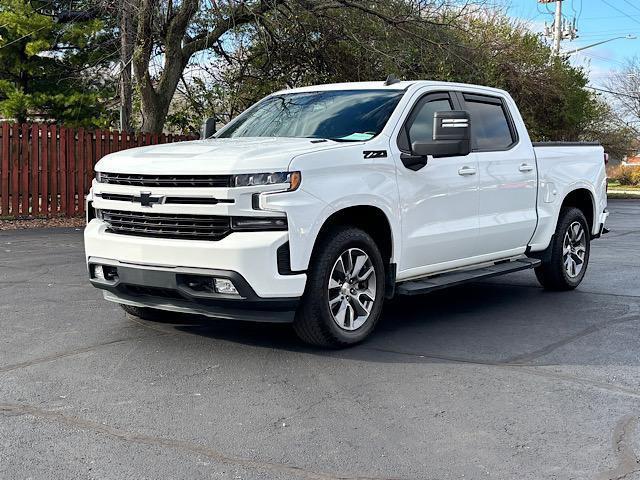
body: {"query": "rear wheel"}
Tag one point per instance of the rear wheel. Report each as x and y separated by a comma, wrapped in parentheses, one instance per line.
(345, 290)
(570, 250)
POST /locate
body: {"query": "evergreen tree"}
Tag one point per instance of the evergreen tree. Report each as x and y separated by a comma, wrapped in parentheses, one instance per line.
(54, 71)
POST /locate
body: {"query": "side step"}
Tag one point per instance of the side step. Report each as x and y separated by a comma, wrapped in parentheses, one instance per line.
(429, 284)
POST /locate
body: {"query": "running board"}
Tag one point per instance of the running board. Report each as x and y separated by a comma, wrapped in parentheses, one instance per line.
(429, 284)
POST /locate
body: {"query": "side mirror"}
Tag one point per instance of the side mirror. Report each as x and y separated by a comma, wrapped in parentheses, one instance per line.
(208, 128)
(451, 136)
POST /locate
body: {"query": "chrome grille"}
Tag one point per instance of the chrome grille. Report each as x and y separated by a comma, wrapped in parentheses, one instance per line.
(160, 225)
(166, 180)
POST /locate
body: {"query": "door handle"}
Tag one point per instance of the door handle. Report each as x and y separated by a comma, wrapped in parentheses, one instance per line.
(464, 171)
(525, 167)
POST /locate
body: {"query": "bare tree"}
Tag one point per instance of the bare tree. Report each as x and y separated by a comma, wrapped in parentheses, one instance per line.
(175, 32)
(624, 88)
(170, 32)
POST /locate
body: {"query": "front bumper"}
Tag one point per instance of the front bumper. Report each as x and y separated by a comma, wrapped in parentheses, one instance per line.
(252, 255)
(169, 289)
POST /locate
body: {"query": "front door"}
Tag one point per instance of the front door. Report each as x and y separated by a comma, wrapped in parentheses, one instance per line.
(439, 201)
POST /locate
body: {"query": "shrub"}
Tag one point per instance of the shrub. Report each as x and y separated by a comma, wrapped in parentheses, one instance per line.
(625, 175)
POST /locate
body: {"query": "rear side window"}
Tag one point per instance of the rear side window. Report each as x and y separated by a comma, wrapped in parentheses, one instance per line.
(491, 129)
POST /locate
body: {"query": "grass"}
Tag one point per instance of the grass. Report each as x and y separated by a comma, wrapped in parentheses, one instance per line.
(623, 191)
(616, 186)
(623, 195)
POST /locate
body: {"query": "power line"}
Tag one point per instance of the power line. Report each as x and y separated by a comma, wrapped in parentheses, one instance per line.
(621, 11)
(602, 59)
(576, 13)
(613, 93)
(609, 17)
(23, 37)
(631, 5)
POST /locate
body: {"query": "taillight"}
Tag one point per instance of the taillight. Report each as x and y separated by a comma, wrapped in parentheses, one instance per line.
(606, 158)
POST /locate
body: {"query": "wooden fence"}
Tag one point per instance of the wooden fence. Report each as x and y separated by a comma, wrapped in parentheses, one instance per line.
(47, 169)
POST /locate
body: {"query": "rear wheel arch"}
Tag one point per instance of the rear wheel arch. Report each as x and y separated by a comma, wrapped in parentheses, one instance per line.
(583, 200)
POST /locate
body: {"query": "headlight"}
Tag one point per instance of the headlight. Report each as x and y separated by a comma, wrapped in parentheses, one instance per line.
(250, 179)
(99, 177)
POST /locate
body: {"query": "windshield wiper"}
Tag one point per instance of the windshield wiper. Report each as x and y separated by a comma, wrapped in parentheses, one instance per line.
(338, 139)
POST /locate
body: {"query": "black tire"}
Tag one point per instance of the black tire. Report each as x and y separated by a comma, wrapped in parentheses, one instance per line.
(553, 274)
(145, 313)
(314, 322)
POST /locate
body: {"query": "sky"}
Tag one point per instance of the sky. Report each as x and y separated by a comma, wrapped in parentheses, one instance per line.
(597, 20)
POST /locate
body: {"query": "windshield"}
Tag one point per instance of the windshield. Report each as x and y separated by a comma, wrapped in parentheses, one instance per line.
(345, 115)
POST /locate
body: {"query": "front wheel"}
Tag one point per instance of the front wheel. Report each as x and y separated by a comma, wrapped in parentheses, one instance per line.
(345, 290)
(570, 248)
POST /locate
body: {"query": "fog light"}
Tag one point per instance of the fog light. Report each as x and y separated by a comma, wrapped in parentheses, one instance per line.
(225, 286)
(105, 273)
(98, 272)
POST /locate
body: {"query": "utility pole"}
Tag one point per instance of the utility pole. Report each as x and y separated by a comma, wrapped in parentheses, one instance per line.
(557, 28)
(561, 29)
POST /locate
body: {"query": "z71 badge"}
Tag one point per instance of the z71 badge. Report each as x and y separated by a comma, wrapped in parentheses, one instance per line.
(374, 153)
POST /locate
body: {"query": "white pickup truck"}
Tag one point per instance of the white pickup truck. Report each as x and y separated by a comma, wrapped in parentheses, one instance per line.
(317, 203)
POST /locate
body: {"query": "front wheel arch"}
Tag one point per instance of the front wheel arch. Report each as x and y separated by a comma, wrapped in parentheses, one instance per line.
(367, 218)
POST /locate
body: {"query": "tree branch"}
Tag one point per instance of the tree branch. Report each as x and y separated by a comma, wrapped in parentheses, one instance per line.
(240, 15)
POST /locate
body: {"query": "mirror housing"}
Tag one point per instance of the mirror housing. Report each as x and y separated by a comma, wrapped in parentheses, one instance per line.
(208, 128)
(451, 136)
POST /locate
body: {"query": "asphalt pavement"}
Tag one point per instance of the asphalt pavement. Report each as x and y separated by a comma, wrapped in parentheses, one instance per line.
(492, 380)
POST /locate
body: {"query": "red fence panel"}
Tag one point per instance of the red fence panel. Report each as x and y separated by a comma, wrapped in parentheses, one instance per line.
(4, 185)
(33, 167)
(48, 169)
(15, 170)
(53, 170)
(44, 169)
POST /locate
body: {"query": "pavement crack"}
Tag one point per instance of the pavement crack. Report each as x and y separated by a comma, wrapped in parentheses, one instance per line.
(535, 370)
(437, 357)
(69, 353)
(628, 462)
(175, 444)
(631, 315)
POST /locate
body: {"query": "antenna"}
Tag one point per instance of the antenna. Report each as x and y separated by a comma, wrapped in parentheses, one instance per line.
(391, 79)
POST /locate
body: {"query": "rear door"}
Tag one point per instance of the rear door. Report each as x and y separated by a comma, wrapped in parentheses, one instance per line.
(506, 176)
(439, 201)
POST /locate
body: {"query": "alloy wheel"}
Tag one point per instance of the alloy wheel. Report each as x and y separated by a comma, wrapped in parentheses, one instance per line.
(574, 249)
(352, 289)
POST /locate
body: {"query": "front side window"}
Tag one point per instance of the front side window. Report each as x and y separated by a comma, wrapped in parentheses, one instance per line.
(421, 130)
(341, 115)
(489, 124)
(419, 126)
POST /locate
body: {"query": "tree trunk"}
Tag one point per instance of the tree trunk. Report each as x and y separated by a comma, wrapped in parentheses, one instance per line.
(154, 113)
(157, 100)
(126, 49)
(156, 95)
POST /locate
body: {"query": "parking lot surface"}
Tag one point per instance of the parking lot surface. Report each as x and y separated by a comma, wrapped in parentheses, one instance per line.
(492, 380)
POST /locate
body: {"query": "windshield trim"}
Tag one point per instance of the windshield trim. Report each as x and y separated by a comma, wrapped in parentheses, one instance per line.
(248, 111)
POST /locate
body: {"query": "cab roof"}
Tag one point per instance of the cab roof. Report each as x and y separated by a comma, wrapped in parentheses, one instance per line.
(402, 85)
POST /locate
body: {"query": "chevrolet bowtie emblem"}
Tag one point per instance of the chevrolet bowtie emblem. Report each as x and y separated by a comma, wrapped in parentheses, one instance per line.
(146, 200)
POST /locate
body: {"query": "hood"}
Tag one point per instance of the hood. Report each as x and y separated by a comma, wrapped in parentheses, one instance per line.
(213, 156)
